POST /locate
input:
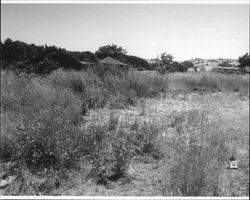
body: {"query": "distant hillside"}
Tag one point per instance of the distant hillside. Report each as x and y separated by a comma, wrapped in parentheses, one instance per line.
(209, 64)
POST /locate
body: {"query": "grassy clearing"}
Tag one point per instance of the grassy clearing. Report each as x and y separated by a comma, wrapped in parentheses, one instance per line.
(46, 133)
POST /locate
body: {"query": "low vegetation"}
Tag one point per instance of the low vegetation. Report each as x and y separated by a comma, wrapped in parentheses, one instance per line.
(45, 132)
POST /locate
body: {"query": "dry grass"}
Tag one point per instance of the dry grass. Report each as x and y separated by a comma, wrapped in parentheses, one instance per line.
(209, 81)
(184, 128)
(204, 136)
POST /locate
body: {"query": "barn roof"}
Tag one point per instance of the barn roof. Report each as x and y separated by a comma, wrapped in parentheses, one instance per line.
(111, 61)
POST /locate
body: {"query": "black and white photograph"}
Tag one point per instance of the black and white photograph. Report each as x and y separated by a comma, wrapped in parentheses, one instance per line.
(124, 99)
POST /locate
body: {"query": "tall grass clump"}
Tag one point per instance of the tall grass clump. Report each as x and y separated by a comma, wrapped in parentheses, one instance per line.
(112, 146)
(87, 86)
(40, 124)
(199, 152)
(146, 84)
(99, 86)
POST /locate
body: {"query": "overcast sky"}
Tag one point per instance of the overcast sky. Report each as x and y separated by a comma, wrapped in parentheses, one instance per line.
(145, 30)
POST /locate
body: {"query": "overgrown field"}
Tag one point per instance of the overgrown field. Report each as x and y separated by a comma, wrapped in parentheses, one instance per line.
(124, 133)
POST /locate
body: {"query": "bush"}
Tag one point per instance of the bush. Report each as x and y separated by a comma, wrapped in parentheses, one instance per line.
(146, 84)
(199, 152)
(86, 86)
(37, 119)
(112, 147)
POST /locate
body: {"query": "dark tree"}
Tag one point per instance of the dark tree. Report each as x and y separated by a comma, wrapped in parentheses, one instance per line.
(188, 64)
(137, 62)
(176, 67)
(88, 56)
(14, 51)
(166, 59)
(1, 51)
(112, 50)
(85, 56)
(244, 61)
(224, 64)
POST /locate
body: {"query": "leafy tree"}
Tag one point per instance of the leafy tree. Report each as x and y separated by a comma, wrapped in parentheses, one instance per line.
(88, 56)
(244, 61)
(13, 51)
(188, 64)
(85, 56)
(166, 59)
(112, 50)
(138, 62)
(176, 67)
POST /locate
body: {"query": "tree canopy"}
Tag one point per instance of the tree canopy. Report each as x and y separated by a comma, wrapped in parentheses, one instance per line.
(188, 64)
(244, 61)
(136, 62)
(112, 50)
(166, 59)
(43, 59)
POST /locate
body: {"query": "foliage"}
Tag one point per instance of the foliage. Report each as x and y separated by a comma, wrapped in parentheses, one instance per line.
(168, 65)
(166, 59)
(188, 64)
(244, 61)
(146, 85)
(224, 64)
(16, 51)
(38, 117)
(176, 67)
(200, 151)
(29, 58)
(44, 129)
(137, 62)
(42, 118)
(85, 56)
(196, 151)
(112, 50)
(19, 51)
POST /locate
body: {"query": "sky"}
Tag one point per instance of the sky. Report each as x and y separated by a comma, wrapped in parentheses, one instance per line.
(146, 30)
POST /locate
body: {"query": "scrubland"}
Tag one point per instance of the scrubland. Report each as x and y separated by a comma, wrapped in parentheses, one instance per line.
(124, 133)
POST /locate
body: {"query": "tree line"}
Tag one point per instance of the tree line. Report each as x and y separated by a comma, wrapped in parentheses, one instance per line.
(20, 56)
(44, 59)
